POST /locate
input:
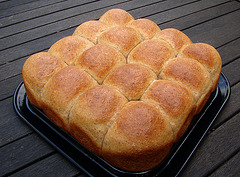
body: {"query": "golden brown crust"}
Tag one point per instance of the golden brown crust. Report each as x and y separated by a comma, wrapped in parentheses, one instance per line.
(99, 60)
(131, 80)
(36, 71)
(118, 60)
(61, 91)
(68, 48)
(190, 73)
(206, 55)
(152, 53)
(174, 37)
(90, 30)
(174, 100)
(116, 17)
(122, 38)
(146, 27)
(139, 138)
(92, 115)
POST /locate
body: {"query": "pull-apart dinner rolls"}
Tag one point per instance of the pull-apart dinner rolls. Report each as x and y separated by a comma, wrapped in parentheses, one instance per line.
(61, 92)
(36, 71)
(139, 138)
(123, 88)
(93, 114)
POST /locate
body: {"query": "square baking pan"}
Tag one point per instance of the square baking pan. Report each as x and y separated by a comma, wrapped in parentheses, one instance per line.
(94, 165)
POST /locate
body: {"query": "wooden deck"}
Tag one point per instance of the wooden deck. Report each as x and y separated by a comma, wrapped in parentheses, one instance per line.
(30, 26)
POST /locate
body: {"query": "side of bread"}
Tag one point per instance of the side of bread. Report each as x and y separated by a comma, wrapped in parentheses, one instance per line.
(124, 88)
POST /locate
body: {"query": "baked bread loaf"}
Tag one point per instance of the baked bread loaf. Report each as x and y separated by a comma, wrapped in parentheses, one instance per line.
(124, 88)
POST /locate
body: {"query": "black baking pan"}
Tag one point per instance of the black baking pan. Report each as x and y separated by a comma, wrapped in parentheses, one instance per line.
(94, 165)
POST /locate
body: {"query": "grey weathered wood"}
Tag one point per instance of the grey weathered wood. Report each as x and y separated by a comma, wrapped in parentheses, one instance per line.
(48, 8)
(199, 16)
(187, 10)
(20, 153)
(215, 149)
(54, 165)
(231, 108)
(230, 51)
(8, 86)
(230, 71)
(232, 165)
(216, 32)
(11, 126)
(24, 7)
(13, 3)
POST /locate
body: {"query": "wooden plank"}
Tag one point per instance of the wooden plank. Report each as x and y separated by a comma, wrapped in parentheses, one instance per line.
(232, 71)
(45, 8)
(229, 168)
(13, 3)
(229, 51)
(199, 16)
(231, 108)
(157, 8)
(8, 86)
(54, 165)
(215, 149)
(25, 7)
(11, 69)
(162, 17)
(23, 152)
(218, 31)
(11, 126)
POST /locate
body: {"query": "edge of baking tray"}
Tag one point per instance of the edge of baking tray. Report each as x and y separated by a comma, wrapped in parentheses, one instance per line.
(93, 165)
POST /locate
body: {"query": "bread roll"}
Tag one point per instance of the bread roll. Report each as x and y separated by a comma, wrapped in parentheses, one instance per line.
(122, 38)
(61, 91)
(131, 80)
(99, 60)
(206, 55)
(139, 138)
(175, 101)
(152, 53)
(192, 74)
(174, 37)
(123, 88)
(68, 48)
(116, 17)
(93, 114)
(146, 27)
(36, 71)
(90, 30)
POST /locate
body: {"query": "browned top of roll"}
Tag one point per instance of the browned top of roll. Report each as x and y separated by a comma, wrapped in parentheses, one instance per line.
(61, 91)
(68, 48)
(139, 138)
(116, 17)
(146, 27)
(131, 79)
(152, 53)
(36, 71)
(175, 101)
(122, 38)
(92, 115)
(90, 30)
(188, 72)
(99, 60)
(174, 37)
(207, 55)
